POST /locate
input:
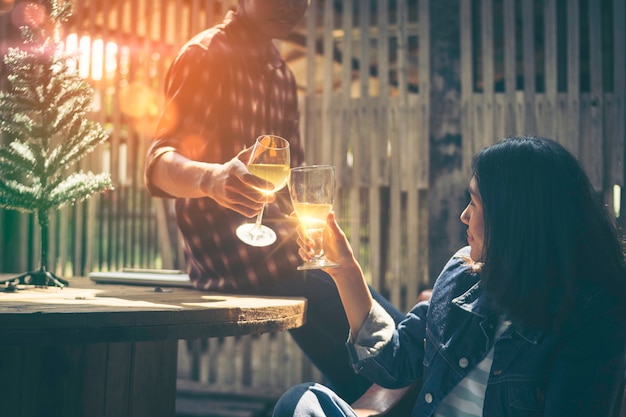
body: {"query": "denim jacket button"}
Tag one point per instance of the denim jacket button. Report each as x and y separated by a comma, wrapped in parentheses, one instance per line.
(428, 397)
(463, 362)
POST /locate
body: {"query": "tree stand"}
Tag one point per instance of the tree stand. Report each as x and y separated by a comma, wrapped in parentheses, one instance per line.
(41, 277)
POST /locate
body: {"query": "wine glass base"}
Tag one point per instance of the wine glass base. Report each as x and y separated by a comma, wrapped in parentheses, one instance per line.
(318, 263)
(248, 233)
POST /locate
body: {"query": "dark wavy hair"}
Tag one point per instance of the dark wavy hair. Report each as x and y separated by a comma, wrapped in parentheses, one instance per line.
(548, 235)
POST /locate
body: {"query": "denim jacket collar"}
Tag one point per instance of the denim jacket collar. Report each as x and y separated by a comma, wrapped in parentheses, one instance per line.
(474, 302)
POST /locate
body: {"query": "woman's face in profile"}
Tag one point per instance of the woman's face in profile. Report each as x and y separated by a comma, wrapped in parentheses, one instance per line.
(472, 216)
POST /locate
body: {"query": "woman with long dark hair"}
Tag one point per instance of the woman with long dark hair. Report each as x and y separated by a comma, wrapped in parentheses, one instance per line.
(529, 319)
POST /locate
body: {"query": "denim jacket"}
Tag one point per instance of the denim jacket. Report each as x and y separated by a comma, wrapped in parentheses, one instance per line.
(574, 371)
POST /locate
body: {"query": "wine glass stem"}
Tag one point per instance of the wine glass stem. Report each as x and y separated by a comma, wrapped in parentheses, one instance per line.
(319, 245)
(259, 217)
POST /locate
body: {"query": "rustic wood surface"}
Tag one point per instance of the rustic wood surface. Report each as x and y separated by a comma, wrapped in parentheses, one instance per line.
(86, 312)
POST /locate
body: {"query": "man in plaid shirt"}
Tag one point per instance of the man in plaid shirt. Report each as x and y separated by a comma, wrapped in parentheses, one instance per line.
(227, 86)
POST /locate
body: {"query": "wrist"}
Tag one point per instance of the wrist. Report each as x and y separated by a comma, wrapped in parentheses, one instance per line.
(205, 182)
(346, 270)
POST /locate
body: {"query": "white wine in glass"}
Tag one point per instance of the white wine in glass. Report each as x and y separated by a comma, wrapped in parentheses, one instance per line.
(270, 161)
(312, 190)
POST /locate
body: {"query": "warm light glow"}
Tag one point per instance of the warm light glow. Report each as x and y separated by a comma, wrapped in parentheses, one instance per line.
(138, 100)
(71, 45)
(617, 200)
(77, 299)
(83, 58)
(110, 63)
(28, 14)
(95, 60)
(97, 57)
(122, 164)
(6, 6)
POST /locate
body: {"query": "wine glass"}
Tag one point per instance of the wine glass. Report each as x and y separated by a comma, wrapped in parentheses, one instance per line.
(312, 189)
(270, 161)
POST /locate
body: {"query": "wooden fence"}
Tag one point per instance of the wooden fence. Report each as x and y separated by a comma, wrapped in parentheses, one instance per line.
(397, 94)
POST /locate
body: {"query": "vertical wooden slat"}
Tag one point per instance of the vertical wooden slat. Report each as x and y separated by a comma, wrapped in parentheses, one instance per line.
(327, 85)
(360, 151)
(346, 132)
(11, 362)
(146, 127)
(311, 39)
(487, 136)
(418, 198)
(347, 115)
(53, 246)
(550, 122)
(87, 373)
(510, 65)
(573, 75)
(528, 46)
(467, 73)
(63, 222)
(229, 367)
(118, 380)
(592, 150)
(183, 367)
(212, 360)
(194, 23)
(399, 171)
(179, 36)
(246, 357)
(87, 17)
(153, 361)
(95, 161)
(378, 151)
(618, 152)
(115, 138)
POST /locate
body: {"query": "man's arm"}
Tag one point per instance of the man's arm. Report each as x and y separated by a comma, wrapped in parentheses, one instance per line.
(230, 184)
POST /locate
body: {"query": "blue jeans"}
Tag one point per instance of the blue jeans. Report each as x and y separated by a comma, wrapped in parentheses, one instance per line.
(323, 337)
(311, 400)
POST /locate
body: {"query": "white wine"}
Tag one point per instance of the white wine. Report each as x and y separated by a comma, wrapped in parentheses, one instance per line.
(311, 189)
(312, 215)
(269, 161)
(275, 174)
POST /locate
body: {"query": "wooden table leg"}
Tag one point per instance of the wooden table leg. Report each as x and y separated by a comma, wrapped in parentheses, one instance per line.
(133, 379)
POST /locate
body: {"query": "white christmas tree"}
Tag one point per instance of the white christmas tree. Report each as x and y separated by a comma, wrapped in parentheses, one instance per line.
(43, 114)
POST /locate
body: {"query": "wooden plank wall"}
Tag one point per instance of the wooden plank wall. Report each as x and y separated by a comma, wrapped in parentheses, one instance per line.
(563, 46)
(375, 131)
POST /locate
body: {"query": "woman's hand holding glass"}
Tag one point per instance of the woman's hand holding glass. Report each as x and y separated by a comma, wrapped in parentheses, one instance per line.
(336, 246)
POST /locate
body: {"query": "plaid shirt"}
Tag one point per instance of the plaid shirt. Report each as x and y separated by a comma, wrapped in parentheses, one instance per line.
(225, 88)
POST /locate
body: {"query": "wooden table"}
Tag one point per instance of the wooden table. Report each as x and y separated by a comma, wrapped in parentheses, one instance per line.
(110, 350)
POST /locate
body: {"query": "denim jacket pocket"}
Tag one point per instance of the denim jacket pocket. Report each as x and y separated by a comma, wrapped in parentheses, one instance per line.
(524, 398)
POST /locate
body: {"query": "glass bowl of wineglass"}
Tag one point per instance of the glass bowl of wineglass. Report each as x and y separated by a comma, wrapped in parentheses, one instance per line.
(312, 190)
(270, 161)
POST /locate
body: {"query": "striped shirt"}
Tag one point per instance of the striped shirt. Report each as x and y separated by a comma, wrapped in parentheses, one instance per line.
(226, 87)
(468, 396)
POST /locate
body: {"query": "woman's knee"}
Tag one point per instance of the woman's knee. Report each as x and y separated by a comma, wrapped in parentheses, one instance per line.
(291, 400)
(312, 400)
